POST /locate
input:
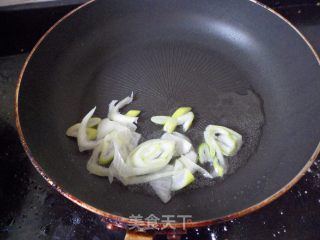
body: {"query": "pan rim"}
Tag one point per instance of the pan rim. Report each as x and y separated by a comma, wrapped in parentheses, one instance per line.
(159, 225)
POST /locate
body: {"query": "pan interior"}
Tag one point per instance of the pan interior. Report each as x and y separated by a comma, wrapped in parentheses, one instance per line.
(210, 56)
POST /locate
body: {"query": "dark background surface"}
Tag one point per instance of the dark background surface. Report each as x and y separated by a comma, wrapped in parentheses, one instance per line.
(31, 209)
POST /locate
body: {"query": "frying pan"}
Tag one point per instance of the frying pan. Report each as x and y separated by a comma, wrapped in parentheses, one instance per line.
(237, 63)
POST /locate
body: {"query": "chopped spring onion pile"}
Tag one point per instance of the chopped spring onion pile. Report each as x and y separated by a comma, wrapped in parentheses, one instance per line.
(168, 163)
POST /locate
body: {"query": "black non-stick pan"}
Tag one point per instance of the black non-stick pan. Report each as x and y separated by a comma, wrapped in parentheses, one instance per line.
(237, 63)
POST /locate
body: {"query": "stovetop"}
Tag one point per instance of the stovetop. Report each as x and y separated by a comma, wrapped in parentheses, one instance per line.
(31, 209)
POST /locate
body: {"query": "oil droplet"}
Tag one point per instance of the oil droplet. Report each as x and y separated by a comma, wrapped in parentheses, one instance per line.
(76, 220)
(213, 236)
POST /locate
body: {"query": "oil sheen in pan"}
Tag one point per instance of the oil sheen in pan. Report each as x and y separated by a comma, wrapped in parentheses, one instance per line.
(241, 112)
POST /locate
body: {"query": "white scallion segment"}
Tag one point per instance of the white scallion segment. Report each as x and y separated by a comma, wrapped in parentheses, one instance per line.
(192, 156)
(93, 166)
(186, 121)
(164, 173)
(182, 179)
(181, 111)
(73, 130)
(83, 142)
(182, 116)
(125, 141)
(160, 120)
(183, 146)
(170, 125)
(107, 126)
(162, 186)
(178, 165)
(207, 154)
(133, 113)
(219, 163)
(151, 153)
(222, 141)
(112, 131)
(94, 121)
(188, 152)
(193, 167)
(115, 115)
(228, 140)
(204, 153)
(217, 167)
(91, 133)
(106, 159)
(136, 165)
(180, 135)
(148, 177)
(107, 152)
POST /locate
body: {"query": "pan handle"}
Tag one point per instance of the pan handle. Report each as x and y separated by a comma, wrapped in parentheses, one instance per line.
(130, 235)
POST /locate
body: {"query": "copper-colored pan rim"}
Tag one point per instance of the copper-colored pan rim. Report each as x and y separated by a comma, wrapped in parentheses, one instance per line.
(143, 223)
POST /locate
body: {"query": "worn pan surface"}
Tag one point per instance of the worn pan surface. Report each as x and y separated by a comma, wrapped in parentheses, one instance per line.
(235, 62)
